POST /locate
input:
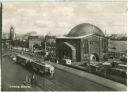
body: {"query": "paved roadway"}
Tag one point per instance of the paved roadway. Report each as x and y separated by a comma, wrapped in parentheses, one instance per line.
(14, 74)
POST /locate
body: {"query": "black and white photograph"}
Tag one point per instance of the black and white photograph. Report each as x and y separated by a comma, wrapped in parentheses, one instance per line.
(63, 46)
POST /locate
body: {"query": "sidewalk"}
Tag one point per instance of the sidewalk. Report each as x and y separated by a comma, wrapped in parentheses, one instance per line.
(100, 80)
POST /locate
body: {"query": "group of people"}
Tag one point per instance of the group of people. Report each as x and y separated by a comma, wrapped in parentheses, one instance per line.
(31, 80)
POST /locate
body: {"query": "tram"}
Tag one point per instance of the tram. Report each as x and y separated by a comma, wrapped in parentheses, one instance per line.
(35, 65)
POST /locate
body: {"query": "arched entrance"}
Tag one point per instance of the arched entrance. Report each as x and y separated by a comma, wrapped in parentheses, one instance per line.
(66, 50)
(73, 50)
(94, 57)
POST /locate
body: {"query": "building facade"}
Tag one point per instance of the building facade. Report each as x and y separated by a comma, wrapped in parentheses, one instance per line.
(50, 45)
(84, 42)
(115, 50)
(33, 40)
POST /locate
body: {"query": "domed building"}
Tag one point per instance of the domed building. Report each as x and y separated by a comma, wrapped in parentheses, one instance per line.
(84, 42)
(85, 29)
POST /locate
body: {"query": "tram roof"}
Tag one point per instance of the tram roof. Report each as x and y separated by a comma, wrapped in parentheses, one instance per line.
(28, 58)
(33, 60)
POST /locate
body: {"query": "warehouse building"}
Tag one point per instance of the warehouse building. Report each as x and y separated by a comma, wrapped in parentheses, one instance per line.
(84, 42)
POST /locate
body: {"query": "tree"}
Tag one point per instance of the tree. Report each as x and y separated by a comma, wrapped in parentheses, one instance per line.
(36, 46)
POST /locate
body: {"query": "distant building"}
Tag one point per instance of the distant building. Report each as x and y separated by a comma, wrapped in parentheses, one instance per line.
(5, 36)
(117, 49)
(12, 34)
(33, 40)
(84, 42)
(50, 45)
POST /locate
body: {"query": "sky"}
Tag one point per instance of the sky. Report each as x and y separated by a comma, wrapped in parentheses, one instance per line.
(59, 18)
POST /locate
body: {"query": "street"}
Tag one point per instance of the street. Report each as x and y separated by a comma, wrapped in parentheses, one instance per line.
(14, 75)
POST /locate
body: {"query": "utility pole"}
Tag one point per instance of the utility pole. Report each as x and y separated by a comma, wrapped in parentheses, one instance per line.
(105, 32)
(99, 47)
(1, 27)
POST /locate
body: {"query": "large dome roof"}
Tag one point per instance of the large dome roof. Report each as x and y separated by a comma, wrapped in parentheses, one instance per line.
(85, 29)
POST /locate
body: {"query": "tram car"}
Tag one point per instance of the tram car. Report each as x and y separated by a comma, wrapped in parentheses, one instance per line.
(20, 59)
(35, 65)
(42, 67)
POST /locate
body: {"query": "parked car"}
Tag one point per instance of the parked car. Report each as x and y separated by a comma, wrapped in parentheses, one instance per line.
(66, 61)
(13, 57)
(122, 66)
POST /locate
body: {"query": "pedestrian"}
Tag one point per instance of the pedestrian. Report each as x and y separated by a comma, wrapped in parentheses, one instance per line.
(57, 61)
(33, 81)
(27, 80)
(114, 63)
(52, 73)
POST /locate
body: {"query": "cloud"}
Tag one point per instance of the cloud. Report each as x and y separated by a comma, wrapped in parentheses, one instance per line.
(60, 18)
